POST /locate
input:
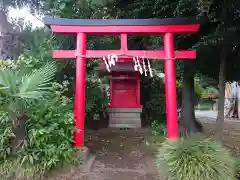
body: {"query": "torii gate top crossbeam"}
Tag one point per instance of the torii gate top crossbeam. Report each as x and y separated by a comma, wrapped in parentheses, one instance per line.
(123, 27)
(129, 26)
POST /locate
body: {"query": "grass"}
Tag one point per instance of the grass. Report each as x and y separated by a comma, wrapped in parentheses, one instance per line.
(153, 142)
(11, 169)
(237, 166)
(195, 158)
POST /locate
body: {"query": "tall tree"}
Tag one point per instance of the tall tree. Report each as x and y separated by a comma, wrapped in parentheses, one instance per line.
(220, 48)
(6, 35)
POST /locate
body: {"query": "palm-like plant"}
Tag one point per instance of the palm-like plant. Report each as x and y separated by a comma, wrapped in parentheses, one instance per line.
(18, 89)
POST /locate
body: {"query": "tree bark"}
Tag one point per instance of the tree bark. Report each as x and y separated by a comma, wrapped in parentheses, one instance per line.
(145, 89)
(188, 100)
(8, 42)
(19, 130)
(220, 115)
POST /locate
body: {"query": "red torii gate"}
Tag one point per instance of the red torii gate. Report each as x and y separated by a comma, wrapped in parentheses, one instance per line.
(83, 27)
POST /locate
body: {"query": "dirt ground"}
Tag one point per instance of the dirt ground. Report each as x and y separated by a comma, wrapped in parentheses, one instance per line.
(121, 154)
(231, 133)
(118, 155)
(124, 155)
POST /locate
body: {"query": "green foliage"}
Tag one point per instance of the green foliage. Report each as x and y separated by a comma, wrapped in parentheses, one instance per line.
(7, 64)
(50, 123)
(49, 141)
(5, 135)
(210, 90)
(195, 158)
(186, 8)
(158, 129)
(37, 52)
(50, 130)
(96, 101)
(11, 170)
(29, 82)
(198, 88)
(153, 94)
(20, 88)
(158, 134)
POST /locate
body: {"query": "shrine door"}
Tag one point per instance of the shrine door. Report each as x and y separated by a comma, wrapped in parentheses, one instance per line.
(124, 93)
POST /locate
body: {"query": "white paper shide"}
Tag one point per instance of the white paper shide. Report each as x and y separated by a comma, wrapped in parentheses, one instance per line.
(111, 60)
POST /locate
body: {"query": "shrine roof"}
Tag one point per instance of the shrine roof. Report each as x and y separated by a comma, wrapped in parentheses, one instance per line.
(122, 22)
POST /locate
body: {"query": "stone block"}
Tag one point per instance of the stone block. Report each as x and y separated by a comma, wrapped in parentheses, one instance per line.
(125, 117)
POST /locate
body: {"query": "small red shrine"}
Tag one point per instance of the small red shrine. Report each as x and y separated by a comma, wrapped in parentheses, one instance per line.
(124, 108)
(123, 97)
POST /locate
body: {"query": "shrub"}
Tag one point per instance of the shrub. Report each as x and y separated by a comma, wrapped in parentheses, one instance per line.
(153, 98)
(158, 134)
(5, 135)
(95, 101)
(195, 158)
(11, 170)
(49, 141)
(158, 129)
(50, 131)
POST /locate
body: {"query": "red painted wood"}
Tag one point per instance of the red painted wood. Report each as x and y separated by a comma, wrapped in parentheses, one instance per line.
(184, 28)
(124, 42)
(79, 108)
(124, 93)
(121, 77)
(170, 87)
(111, 91)
(125, 90)
(125, 106)
(138, 90)
(151, 54)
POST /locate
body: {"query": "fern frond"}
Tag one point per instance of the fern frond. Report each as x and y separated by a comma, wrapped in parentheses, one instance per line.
(9, 79)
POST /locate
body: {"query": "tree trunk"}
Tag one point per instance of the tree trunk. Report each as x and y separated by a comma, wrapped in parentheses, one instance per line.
(19, 130)
(8, 42)
(145, 89)
(188, 100)
(220, 116)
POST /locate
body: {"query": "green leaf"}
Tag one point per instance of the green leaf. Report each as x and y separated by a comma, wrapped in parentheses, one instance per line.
(38, 78)
(9, 78)
(62, 5)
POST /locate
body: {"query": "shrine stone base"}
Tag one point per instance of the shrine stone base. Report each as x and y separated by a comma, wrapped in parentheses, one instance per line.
(125, 117)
